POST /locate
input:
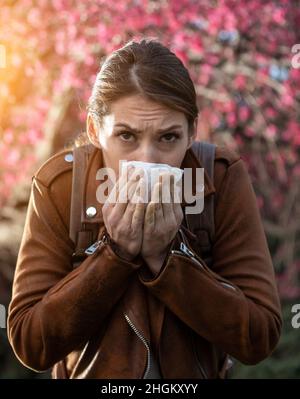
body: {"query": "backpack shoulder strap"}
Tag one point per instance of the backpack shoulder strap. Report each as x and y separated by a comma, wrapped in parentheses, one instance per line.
(203, 225)
(80, 159)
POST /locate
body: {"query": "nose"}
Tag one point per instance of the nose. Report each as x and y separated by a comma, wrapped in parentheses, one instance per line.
(147, 154)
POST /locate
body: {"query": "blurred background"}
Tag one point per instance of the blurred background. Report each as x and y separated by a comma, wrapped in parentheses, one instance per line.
(244, 58)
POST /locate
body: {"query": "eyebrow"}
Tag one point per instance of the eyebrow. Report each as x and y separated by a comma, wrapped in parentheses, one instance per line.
(139, 131)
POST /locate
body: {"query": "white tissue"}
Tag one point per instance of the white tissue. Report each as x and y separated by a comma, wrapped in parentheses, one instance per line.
(152, 171)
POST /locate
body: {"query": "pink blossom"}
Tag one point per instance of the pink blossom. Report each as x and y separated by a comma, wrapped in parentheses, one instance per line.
(57, 45)
(244, 113)
(240, 82)
(231, 119)
(8, 136)
(271, 132)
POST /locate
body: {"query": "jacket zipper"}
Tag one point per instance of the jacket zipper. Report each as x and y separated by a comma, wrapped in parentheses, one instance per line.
(186, 251)
(143, 339)
(94, 247)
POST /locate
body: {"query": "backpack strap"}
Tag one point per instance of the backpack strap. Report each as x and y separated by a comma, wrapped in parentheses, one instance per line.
(77, 232)
(203, 225)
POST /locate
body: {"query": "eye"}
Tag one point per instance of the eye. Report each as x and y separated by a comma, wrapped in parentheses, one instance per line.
(170, 137)
(125, 135)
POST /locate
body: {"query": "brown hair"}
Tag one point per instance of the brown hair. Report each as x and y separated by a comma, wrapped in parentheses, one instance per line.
(144, 67)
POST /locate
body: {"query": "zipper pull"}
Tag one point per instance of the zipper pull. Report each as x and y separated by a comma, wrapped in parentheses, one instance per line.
(93, 248)
(105, 239)
(185, 250)
(190, 254)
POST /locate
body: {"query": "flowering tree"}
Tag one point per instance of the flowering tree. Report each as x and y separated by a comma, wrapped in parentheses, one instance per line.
(238, 54)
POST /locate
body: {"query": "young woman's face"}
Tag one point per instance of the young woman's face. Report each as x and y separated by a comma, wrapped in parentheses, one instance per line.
(138, 129)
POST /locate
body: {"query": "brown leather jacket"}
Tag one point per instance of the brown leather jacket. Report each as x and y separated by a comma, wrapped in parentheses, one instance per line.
(108, 317)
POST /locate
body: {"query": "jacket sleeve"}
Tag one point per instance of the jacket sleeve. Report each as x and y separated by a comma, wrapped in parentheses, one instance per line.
(54, 307)
(234, 304)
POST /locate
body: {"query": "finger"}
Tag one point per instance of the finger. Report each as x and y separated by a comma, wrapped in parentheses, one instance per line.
(140, 205)
(176, 191)
(177, 201)
(124, 188)
(109, 211)
(135, 204)
(150, 215)
(150, 210)
(170, 218)
(159, 216)
(166, 198)
(156, 193)
(123, 201)
(141, 192)
(155, 214)
(121, 181)
(178, 213)
(119, 206)
(125, 192)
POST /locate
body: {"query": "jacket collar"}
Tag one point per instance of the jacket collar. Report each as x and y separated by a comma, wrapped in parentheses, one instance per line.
(90, 186)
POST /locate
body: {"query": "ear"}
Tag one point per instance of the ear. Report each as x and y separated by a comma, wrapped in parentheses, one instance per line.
(92, 131)
(193, 134)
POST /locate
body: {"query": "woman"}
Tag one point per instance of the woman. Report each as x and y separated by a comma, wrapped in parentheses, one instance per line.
(134, 308)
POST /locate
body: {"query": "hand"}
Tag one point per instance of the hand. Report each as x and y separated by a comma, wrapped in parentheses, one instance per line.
(163, 218)
(124, 220)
